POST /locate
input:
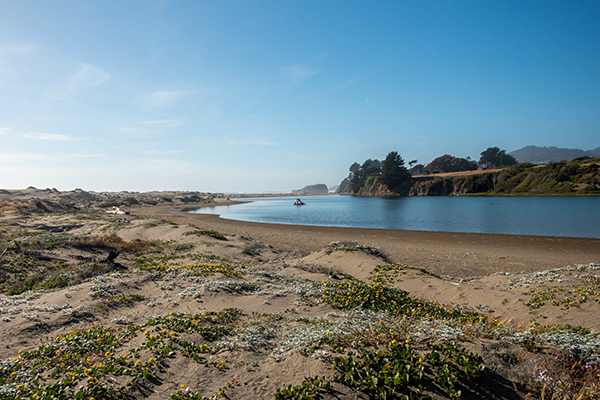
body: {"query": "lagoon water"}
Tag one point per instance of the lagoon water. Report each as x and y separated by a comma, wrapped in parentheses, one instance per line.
(542, 216)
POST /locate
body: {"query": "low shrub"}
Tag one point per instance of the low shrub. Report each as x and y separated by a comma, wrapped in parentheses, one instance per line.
(211, 233)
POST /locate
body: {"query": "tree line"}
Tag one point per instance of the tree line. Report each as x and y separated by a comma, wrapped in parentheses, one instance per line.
(393, 172)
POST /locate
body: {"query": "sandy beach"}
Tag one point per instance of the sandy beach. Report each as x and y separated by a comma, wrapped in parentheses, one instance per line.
(195, 306)
(452, 254)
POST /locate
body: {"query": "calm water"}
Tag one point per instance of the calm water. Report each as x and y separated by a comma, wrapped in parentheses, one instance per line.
(545, 216)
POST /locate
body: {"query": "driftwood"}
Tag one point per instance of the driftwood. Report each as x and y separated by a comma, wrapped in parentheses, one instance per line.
(46, 258)
(112, 255)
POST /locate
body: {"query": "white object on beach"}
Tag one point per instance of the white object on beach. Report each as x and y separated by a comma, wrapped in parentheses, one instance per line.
(116, 210)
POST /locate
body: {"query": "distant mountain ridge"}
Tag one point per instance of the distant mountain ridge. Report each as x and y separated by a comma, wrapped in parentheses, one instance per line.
(537, 154)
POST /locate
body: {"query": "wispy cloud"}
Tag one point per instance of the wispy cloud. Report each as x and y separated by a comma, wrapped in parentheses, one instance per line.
(162, 152)
(252, 141)
(9, 158)
(296, 73)
(4, 130)
(142, 129)
(88, 75)
(83, 76)
(8, 52)
(46, 136)
(163, 98)
(137, 132)
(14, 48)
(86, 156)
(161, 122)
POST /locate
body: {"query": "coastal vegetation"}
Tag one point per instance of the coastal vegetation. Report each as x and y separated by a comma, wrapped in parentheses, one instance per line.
(448, 163)
(498, 174)
(578, 177)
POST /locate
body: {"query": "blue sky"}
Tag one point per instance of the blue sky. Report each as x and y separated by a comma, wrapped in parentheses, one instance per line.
(257, 96)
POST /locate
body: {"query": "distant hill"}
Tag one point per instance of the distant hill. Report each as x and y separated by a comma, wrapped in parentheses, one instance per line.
(536, 154)
(319, 188)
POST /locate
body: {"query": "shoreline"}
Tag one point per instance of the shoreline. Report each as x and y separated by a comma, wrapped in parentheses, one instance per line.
(525, 231)
(453, 254)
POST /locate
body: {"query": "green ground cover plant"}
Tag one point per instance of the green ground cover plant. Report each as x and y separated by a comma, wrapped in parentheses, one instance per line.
(566, 297)
(104, 362)
(211, 233)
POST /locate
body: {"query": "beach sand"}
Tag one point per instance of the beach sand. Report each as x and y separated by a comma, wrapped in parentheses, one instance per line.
(451, 254)
(279, 277)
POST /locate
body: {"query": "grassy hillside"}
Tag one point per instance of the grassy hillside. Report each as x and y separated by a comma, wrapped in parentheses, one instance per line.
(581, 175)
(578, 177)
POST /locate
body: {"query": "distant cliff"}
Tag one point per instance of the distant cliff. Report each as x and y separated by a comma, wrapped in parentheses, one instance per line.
(319, 188)
(580, 176)
(345, 187)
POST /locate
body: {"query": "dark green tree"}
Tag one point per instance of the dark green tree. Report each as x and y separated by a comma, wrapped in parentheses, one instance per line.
(371, 167)
(493, 157)
(360, 174)
(354, 175)
(393, 171)
(448, 163)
